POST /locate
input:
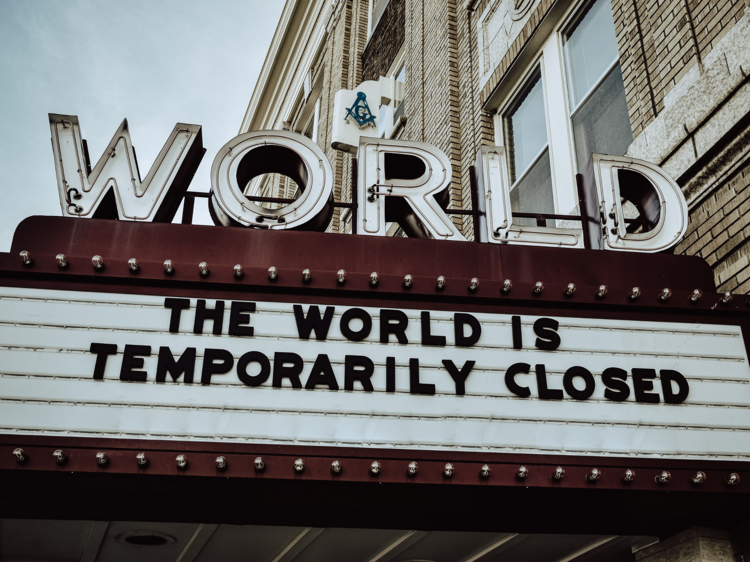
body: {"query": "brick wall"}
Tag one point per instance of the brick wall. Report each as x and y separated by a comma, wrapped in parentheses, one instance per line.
(385, 42)
(719, 231)
(659, 42)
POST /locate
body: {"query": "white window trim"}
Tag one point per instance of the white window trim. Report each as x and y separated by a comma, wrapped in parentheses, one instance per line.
(398, 62)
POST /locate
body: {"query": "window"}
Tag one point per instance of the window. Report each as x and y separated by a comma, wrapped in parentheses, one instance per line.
(596, 92)
(390, 113)
(528, 150)
(311, 130)
(570, 103)
(377, 8)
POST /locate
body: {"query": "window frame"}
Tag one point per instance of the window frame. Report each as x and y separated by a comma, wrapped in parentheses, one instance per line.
(399, 63)
(550, 58)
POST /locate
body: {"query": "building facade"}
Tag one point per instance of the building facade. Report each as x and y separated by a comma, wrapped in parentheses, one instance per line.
(551, 82)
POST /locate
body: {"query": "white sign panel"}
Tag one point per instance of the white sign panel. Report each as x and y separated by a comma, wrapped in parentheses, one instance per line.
(444, 380)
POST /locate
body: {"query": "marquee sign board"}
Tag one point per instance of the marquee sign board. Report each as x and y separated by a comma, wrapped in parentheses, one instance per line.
(118, 365)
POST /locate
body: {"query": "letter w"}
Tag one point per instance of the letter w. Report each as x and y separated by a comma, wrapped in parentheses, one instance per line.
(113, 189)
(313, 321)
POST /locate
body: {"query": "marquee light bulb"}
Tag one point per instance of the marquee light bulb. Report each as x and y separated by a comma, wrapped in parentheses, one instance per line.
(141, 460)
(635, 293)
(306, 276)
(341, 277)
(273, 274)
(181, 461)
(593, 475)
(485, 471)
(538, 288)
(374, 280)
(570, 289)
(663, 477)
(221, 462)
(666, 292)
(336, 467)
(440, 285)
(448, 470)
(601, 291)
(628, 476)
(699, 477)
(60, 457)
(299, 465)
(557, 474)
(203, 269)
(733, 479)
(101, 459)
(26, 258)
(20, 456)
(133, 265)
(473, 285)
(507, 284)
(727, 297)
(408, 281)
(259, 464)
(168, 267)
(522, 472)
(97, 262)
(375, 468)
(412, 468)
(62, 263)
(697, 293)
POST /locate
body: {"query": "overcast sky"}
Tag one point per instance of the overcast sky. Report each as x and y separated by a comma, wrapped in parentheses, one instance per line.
(155, 63)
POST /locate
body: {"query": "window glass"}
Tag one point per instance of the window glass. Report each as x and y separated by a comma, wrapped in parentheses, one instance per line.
(602, 123)
(400, 91)
(382, 120)
(528, 153)
(527, 128)
(590, 50)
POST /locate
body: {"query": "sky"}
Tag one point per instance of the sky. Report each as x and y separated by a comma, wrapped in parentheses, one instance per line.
(156, 63)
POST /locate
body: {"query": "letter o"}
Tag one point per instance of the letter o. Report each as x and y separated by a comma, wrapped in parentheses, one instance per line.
(351, 314)
(253, 357)
(588, 378)
(263, 152)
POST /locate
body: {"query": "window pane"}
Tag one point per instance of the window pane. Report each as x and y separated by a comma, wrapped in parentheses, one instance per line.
(382, 116)
(533, 194)
(590, 50)
(400, 91)
(602, 124)
(526, 129)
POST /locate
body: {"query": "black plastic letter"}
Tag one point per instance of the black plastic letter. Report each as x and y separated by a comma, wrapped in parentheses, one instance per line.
(459, 377)
(217, 315)
(167, 364)
(253, 357)
(322, 373)
(280, 371)
(547, 336)
(239, 315)
(459, 321)
(541, 383)
(398, 329)
(515, 322)
(211, 368)
(617, 389)
(362, 375)
(313, 321)
(642, 384)
(102, 350)
(587, 377)
(427, 337)
(667, 377)
(510, 379)
(132, 359)
(348, 316)
(177, 306)
(390, 374)
(415, 386)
